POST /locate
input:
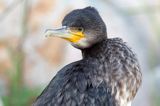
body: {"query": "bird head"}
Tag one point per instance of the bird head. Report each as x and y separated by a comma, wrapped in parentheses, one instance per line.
(82, 27)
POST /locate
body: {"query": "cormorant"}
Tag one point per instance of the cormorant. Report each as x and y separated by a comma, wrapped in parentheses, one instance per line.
(109, 73)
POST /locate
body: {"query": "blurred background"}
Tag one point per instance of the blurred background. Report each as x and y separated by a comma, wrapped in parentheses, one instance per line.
(28, 60)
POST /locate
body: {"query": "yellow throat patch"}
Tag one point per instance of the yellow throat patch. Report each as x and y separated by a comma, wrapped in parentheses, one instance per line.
(75, 37)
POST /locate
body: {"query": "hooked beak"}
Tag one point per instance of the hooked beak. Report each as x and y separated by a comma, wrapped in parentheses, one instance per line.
(65, 33)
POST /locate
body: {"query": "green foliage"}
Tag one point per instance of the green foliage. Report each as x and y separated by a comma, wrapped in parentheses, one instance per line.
(20, 96)
(18, 93)
(155, 98)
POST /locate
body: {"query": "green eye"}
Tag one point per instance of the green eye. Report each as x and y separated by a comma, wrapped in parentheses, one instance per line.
(76, 29)
(80, 29)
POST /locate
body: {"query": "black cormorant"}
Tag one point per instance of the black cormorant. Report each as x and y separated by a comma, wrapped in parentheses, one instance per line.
(109, 73)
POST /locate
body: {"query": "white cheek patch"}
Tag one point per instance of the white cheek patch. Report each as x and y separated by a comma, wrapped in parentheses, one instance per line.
(82, 43)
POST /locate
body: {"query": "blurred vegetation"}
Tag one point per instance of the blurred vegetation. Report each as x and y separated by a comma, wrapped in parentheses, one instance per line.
(19, 94)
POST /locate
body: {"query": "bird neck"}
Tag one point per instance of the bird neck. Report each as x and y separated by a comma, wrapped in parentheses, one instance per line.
(95, 51)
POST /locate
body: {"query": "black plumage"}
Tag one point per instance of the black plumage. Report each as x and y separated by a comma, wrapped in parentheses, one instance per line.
(108, 75)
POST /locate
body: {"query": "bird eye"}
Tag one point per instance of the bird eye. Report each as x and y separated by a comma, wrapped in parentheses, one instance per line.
(75, 29)
(80, 29)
